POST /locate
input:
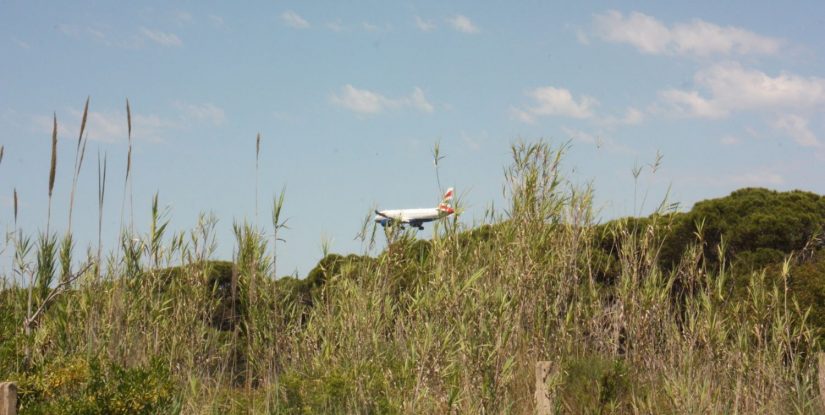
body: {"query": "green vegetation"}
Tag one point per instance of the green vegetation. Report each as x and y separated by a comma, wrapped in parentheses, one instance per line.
(88, 386)
(758, 226)
(716, 310)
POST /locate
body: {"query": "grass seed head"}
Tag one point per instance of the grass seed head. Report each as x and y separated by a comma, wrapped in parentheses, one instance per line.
(53, 168)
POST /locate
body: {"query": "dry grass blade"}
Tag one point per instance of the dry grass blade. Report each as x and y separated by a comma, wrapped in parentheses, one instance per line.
(128, 163)
(129, 166)
(126, 182)
(257, 157)
(15, 207)
(101, 182)
(129, 120)
(101, 193)
(80, 152)
(53, 169)
(52, 172)
(83, 122)
(129, 133)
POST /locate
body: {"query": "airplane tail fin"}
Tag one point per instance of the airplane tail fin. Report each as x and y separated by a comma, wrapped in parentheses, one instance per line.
(445, 205)
(448, 196)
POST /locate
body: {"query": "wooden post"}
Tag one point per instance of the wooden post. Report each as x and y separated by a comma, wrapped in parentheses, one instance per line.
(544, 405)
(8, 398)
(821, 377)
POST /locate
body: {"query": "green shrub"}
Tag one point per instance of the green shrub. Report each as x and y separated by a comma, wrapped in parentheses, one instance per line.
(328, 267)
(74, 385)
(748, 220)
(594, 384)
(328, 391)
(806, 284)
(216, 281)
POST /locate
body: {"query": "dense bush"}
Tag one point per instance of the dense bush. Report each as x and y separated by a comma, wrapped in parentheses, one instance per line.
(755, 224)
(593, 384)
(79, 385)
(806, 285)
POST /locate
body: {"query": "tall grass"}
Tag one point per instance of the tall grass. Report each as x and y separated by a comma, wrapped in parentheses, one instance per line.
(52, 172)
(454, 324)
(101, 195)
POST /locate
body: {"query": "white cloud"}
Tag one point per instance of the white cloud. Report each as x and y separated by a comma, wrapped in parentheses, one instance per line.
(369, 27)
(732, 88)
(183, 17)
(473, 142)
(632, 116)
(694, 38)
(87, 32)
(424, 25)
(110, 126)
(368, 102)
(69, 30)
(161, 38)
(129, 40)
(730, 140)
(294, 20)
(796, 127)
(582, 136)
(600, 139)
(202, 112)
(20, 43)
(43, 124)
(582, 37)
(336, 26)
(106, 126)
(522, 115)
(360, 100)
(557, 102)
(419, 101)
(642, 31)
(692, 104)
(463, 24)
(217, 21)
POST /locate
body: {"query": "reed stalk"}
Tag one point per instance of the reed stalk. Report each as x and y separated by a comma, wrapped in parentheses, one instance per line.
(101, 193)
(257, 159)
(52, 172)
(80, 152)
(278, 225)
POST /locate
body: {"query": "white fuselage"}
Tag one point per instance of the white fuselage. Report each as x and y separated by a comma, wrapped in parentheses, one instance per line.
(410, 215)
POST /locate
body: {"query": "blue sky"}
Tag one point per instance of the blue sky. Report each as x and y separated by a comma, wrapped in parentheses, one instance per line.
(351, 97)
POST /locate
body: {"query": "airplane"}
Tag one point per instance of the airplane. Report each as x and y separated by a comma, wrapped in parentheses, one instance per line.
(416, 217)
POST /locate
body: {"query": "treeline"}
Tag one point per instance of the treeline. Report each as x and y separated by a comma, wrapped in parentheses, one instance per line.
(752, 230)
